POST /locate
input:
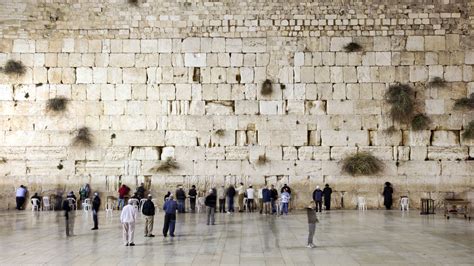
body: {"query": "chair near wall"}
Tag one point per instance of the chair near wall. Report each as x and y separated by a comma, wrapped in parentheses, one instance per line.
(72, 203)
(35, 205)
(142, 201)
(361, 204)
(86, 205)
(199, 204)
(46, 204)
(404, 202)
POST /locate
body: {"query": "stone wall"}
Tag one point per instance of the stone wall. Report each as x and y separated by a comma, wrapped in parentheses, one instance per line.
(182, 79)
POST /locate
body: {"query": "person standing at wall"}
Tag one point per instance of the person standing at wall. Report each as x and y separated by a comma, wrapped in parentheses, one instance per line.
(288, 189)
(84, 192)
(260, 199)
(250, 198)
(312, 220)
(387, 195)
(192, 194)
(241, 191)
(230, 198)
(170, 208)
(181, 198)
(148, 211)
(141, 191)
(69, 218)
(327, 191)
(318, 198)
(285, 201)
(123, 192)
(274, 198)
(210, 202)
(95, 210)
(128, 218)
(221, 197)
(267, 198)
(20, 197)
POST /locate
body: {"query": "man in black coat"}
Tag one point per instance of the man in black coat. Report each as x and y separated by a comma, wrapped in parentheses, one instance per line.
(69, 218)
(211, 202)
(192, 193)
(141, 191)
(274, 195)
(327, 191)
(148, 211)
(95, 210)
(230, 198)
(181, 199)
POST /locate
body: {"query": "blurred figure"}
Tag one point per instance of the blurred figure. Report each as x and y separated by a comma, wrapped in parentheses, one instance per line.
(181, 198)
(84, 192)
(210, 202)
(192, 193)
(221, 197)
(260, 199)
(69, 217)
(312, 220)
(267, 198)
(170, 208)
(128, 218)
(95, 210)
(148, 211)
(167, 195)
(20, 197)
(274, 198)
(141, 191)
(327, 191)
(241, 191)
(123, 191)
(37, 197)
(71, 195)
(230, 198)
(285, 200)
(387, 195)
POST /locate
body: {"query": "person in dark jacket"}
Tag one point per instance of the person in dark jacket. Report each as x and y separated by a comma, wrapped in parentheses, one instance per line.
(267, 199)
(170, 208)
(36, 197)
(141, 191)
(274, 198)
(192, 193)
(148, 211)
(230, 198)
(288, 189)
(168, 194)
(327, 191)
(69, 218)
(318, 198)
(211, 202)
(95, 210)
(181, 198)
(312, 220)
(387, 195)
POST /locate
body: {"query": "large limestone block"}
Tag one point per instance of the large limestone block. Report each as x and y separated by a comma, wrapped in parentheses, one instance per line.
(338, 153)
(416, 138)
(134, 75)
(344, 138)
(121, 60)
(83, 75)
(254, 45)
(435, 43)
(448, 153)
(415, 43)
(457, 168)
(208, 167)
(340, 107)
(426, 168)
(445, 138)
(191, 45)
(195, 60)
(180, 138)
(139, 138)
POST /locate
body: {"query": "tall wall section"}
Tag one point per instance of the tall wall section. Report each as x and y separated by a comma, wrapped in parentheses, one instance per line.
(183, 78)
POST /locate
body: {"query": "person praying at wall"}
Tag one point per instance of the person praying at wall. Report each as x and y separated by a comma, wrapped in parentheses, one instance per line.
(181, 199)
(318, 198)
(123, 192)
(95, 210)
(241, 195)
(230, 199)
(327, 191)
(141, 191)
(192, 194)
(211, 202)
(387, 195)
(20, 197)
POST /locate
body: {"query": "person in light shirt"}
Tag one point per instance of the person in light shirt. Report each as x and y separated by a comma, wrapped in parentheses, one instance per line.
(250, 198)
(128, 218)
(241, 193)
(20, 197)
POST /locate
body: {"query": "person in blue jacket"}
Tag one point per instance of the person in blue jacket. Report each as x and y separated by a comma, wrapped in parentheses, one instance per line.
(318, 198)
(170, 208)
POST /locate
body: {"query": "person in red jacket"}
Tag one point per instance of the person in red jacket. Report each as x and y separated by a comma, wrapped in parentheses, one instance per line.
(123, 191)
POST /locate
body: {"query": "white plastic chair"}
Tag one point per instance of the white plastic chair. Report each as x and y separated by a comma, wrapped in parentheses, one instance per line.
(86, 205)
(157, 209)
(46, 204)
(361, 204)
(404, 202)
(35, 205)
(200, 204)
(109, 208)
(142, 201)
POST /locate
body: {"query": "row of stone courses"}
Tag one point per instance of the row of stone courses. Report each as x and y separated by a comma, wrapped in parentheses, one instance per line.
(230, 45)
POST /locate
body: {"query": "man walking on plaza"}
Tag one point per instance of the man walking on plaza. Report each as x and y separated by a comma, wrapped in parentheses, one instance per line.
(170, 208)
(69, 217)
(128, 218)
(95, 210)
(148, 211)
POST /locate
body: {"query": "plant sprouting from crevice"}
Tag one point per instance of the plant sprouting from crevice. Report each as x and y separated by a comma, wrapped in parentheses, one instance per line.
(437, 82)
(83, 137)
(465, 103)
(469, 131)
(267, 87)
(14, 67)
(401, 98)
(362, 163)
(166, 166)
(391, 130)
(262, 159)
(220, 132)
(58, 104)
(352, 47)
(420, 122)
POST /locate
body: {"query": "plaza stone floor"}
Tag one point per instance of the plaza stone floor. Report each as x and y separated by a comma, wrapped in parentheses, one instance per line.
(342, 238)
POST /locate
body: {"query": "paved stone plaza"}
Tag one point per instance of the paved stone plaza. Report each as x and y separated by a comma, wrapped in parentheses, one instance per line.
(342, 238)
